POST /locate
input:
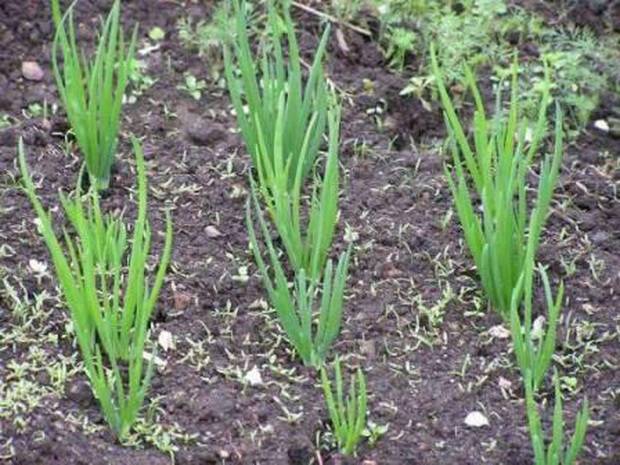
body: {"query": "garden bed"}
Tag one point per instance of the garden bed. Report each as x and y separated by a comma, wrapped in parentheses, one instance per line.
(415, 318)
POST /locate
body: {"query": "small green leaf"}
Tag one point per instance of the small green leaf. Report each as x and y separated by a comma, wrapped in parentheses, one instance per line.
(157, 33)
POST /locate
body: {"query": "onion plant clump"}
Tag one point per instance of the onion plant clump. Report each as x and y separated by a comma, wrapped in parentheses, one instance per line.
(103, 280)
(489, 184)
(306, 237)
(554, 452)
(92, 90)
(264, 85)
(310, 336)
(347, 414)
(534, 354)
(283, 128)
(283, 121)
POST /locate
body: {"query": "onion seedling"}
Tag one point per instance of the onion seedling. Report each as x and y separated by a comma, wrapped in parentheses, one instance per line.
(534, 354)
(489, 185)
(555, 452)
(310, 337)
(534, 351)
(307, 249)
(347, 415)
(92, 90)
(258, 92)
(283, 128)
(103, 279)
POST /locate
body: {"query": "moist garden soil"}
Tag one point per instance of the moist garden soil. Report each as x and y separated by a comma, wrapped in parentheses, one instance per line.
(415, 319)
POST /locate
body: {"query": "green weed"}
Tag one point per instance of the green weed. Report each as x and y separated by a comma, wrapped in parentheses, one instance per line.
(207, 38)
(193, 86)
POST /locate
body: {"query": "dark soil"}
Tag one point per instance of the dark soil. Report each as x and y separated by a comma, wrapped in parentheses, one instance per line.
(597, 15)
(423, 379)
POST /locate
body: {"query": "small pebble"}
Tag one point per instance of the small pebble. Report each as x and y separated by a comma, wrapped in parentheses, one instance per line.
(601, 125)
(32, 71)
(212, 232)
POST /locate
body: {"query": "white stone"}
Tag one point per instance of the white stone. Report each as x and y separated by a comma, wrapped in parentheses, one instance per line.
(601, 125)
(166, 340)
(212, 232)
(476, 420)
(499, 332)
(37, 267)
(32, 71)
(253, 377)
